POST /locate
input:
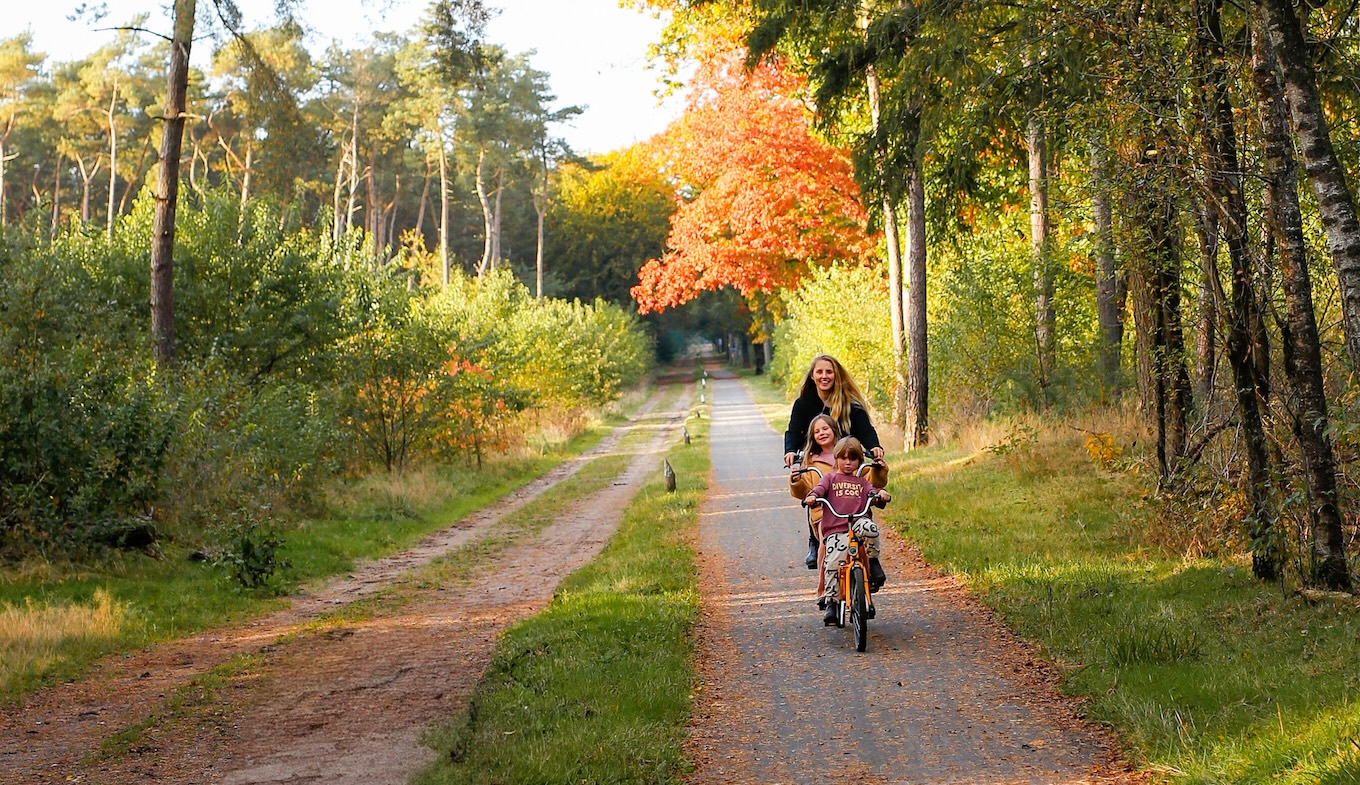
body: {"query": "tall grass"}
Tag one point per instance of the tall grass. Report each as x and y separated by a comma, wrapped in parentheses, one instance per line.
(169, 597)
(35, 635)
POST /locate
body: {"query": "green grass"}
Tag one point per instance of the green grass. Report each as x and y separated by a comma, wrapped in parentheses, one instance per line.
(596, 688)
(169, 597)
(1207, 675)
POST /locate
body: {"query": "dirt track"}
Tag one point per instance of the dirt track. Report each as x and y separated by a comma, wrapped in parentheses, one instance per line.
(343, 705)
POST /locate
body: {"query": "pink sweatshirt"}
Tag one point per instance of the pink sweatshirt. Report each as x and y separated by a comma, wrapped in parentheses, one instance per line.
(846, 493)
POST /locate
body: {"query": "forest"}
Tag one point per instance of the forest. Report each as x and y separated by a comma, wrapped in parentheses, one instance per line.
(1136, 215)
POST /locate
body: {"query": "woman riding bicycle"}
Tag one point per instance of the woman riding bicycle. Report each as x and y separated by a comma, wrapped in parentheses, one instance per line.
(828, 389)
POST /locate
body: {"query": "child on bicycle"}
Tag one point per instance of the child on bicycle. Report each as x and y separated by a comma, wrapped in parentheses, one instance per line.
(846, 493)
(818, 460)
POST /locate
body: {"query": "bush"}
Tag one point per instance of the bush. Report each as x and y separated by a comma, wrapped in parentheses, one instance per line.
(83, 430)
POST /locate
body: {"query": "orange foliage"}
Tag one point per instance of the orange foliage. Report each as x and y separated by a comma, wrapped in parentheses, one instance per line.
(771, 200)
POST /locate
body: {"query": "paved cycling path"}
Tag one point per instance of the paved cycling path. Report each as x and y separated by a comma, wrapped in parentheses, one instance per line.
(944, 694)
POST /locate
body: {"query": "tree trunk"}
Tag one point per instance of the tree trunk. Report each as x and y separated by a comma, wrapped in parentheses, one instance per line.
(1206, 333)
(167, 187)
(1325, 172)
(86, 177)
(337, 218)
(373, 220)
(1304, 356)
(390, 238)
(1227, 200)
(496, 220)
(1044, 317)
(894, 259)
(485, 200)
(424, 203)
(917, 431)
(131, 190)
(1109, 308)
(56, 193)
(113, 159)
(3, 222)
(444, 211)
(540, 208)
(353, 169)
(248, 167)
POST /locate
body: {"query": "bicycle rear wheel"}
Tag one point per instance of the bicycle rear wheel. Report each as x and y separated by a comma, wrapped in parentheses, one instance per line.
(859, 608)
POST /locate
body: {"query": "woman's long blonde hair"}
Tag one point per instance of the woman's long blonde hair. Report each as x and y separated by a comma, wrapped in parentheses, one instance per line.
(844, 393)
(812, 447)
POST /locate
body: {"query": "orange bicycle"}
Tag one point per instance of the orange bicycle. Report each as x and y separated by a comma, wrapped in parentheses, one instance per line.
(855, 601)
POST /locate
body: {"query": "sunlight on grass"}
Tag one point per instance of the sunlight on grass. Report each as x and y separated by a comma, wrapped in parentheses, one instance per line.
(33, 635)
(1206, 675)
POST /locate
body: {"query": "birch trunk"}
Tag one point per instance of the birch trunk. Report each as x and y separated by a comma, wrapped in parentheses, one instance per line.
(113, 159)
(424, 203)
(353, 169)
(337, 219)
(1304, 358)
(1325, 172)
(1044, 317)
(484, 199)
(1109, 310)
(56, 193)
(444, 211)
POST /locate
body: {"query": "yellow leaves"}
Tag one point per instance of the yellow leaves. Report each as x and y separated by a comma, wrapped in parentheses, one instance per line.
(1103, 450)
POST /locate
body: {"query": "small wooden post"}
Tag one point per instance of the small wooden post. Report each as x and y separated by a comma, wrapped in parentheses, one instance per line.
(685, 430)
(669, 474)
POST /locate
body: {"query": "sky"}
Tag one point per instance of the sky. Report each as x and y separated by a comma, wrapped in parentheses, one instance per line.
(594, 52)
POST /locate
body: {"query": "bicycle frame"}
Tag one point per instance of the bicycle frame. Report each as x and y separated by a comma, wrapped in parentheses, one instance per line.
(856, 603)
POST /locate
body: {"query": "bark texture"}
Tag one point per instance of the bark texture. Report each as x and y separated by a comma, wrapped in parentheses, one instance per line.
(1303, 356)
(1325, 172)
(167, 186)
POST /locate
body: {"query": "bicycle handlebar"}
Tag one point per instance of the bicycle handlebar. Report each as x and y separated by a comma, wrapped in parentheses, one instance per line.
(868, 502)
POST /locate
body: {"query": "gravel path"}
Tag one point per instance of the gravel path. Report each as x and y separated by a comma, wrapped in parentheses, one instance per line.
(944, 693)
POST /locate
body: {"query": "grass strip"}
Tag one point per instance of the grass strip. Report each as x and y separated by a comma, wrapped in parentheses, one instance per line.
(596, 688)
(157, 599)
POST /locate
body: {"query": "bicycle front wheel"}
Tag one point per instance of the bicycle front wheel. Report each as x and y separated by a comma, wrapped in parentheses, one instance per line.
(859, 608)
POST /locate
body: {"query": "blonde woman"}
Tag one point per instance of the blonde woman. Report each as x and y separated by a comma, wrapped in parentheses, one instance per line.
(828, 389)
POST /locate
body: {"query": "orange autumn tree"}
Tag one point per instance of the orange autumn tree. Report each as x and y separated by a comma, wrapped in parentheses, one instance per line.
(763, 200)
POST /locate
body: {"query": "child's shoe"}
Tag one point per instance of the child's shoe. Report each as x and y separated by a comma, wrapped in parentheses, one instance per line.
(876, 576)
(832, 615)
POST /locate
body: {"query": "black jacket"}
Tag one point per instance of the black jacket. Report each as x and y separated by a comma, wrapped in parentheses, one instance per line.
(810, 405)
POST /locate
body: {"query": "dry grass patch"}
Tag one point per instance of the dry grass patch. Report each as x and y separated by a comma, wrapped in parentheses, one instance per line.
(34, 635)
